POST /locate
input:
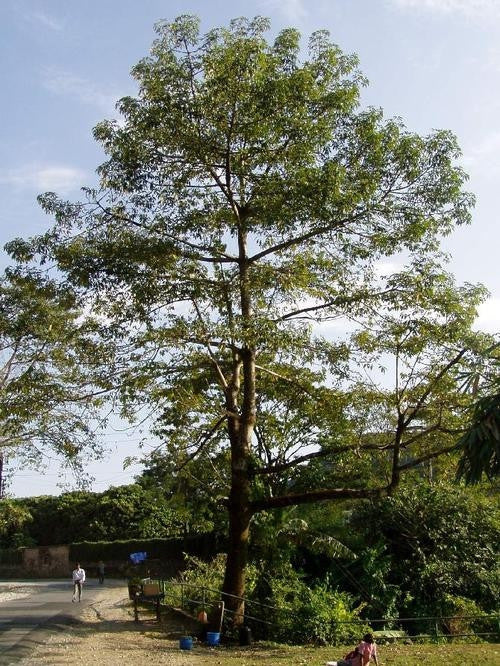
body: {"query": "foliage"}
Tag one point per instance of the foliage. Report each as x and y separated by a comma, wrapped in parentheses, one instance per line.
(193, 493)
(129, 510)
(47, 355)
(480, 444)
(246, 197)
(299, 613)
(374, 584)
(296, 613)
(297, 531)
(204, 573)
(462, 616)
(13, 518)
(433, 543)
(198, 585)
(157, 549)
(11, 555)
(123, 512)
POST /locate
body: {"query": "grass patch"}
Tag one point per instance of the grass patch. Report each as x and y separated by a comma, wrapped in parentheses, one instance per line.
(400, 655)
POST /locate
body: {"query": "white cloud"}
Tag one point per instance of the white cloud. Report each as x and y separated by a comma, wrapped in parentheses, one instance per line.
(489, 316)
(293, 10)
(41, 18)
(64, 83)
(43, 178)
(384, 268)
(469, 8)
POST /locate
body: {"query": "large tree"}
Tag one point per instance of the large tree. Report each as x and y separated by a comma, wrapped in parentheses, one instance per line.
(246, 197)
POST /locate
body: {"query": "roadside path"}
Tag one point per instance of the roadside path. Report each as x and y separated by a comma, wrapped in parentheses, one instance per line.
(103, 633)
(29, 608)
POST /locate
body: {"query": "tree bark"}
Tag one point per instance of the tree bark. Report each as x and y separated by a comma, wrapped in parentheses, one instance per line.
(241, 427)
(239, 525)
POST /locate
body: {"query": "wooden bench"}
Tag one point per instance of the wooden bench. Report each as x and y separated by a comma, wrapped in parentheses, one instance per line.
(149, 592)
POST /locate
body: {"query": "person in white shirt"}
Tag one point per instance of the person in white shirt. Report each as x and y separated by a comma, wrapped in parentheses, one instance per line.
(78, 581)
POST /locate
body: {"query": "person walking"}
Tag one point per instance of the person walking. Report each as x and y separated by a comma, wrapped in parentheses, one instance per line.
(78, 581)
(100, 571)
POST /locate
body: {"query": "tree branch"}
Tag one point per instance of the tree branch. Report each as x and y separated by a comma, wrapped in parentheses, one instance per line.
(315, 496)
(426, 393)
(285, 379)
(429, 456)
(202, 440)
(323, 453)
(216, 365)
(337, 301)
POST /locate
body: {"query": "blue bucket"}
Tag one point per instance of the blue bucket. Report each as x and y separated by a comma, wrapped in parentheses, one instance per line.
(213, 638)
(186, 643)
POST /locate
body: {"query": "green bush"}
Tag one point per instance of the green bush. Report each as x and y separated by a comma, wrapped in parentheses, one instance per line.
(289, 610)
(432, 543)
(21, 540)
(14, 520)
(124, 512)
(198, 586)
(462, 616)
(157, 549)
(303, 614)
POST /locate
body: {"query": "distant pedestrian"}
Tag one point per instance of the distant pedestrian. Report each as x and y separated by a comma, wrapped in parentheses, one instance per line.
(100, 571)
(78, 581)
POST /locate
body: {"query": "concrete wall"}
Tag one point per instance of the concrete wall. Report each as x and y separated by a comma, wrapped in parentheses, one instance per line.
(47, 561)
(54, 561)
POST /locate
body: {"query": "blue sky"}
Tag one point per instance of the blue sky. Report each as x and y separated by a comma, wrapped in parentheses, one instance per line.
(64, 63)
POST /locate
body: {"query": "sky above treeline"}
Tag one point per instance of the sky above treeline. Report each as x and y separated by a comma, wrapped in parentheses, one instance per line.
(64, 63)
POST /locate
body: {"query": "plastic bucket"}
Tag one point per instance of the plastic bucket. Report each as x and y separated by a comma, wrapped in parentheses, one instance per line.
(186, 643)
(213, 638)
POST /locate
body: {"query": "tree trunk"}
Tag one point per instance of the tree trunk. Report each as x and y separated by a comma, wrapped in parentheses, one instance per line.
(237, 555)
(241, 427)
(240, 432)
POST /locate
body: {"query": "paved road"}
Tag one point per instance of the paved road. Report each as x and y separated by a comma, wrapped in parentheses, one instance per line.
(24, 622)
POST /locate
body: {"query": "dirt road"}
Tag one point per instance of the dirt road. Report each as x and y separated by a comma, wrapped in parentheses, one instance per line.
(106, 635)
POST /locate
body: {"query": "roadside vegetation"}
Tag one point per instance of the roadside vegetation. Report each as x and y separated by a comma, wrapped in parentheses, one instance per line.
(322, 574)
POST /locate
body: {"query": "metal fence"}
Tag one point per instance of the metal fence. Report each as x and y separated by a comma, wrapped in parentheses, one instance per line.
(193, 598)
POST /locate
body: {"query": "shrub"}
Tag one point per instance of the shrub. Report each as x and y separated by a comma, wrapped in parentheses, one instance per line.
(302, 614)
(289, 611)
(461, 616)
(432, 542)
(199, 585)
(162, 549)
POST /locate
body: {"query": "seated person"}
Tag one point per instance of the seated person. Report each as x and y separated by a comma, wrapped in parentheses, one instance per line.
(361, 655)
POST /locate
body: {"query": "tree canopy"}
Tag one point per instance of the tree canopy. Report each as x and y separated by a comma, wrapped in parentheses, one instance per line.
(480, 443)
(48, 402)
(235, 248)
(124, 512)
